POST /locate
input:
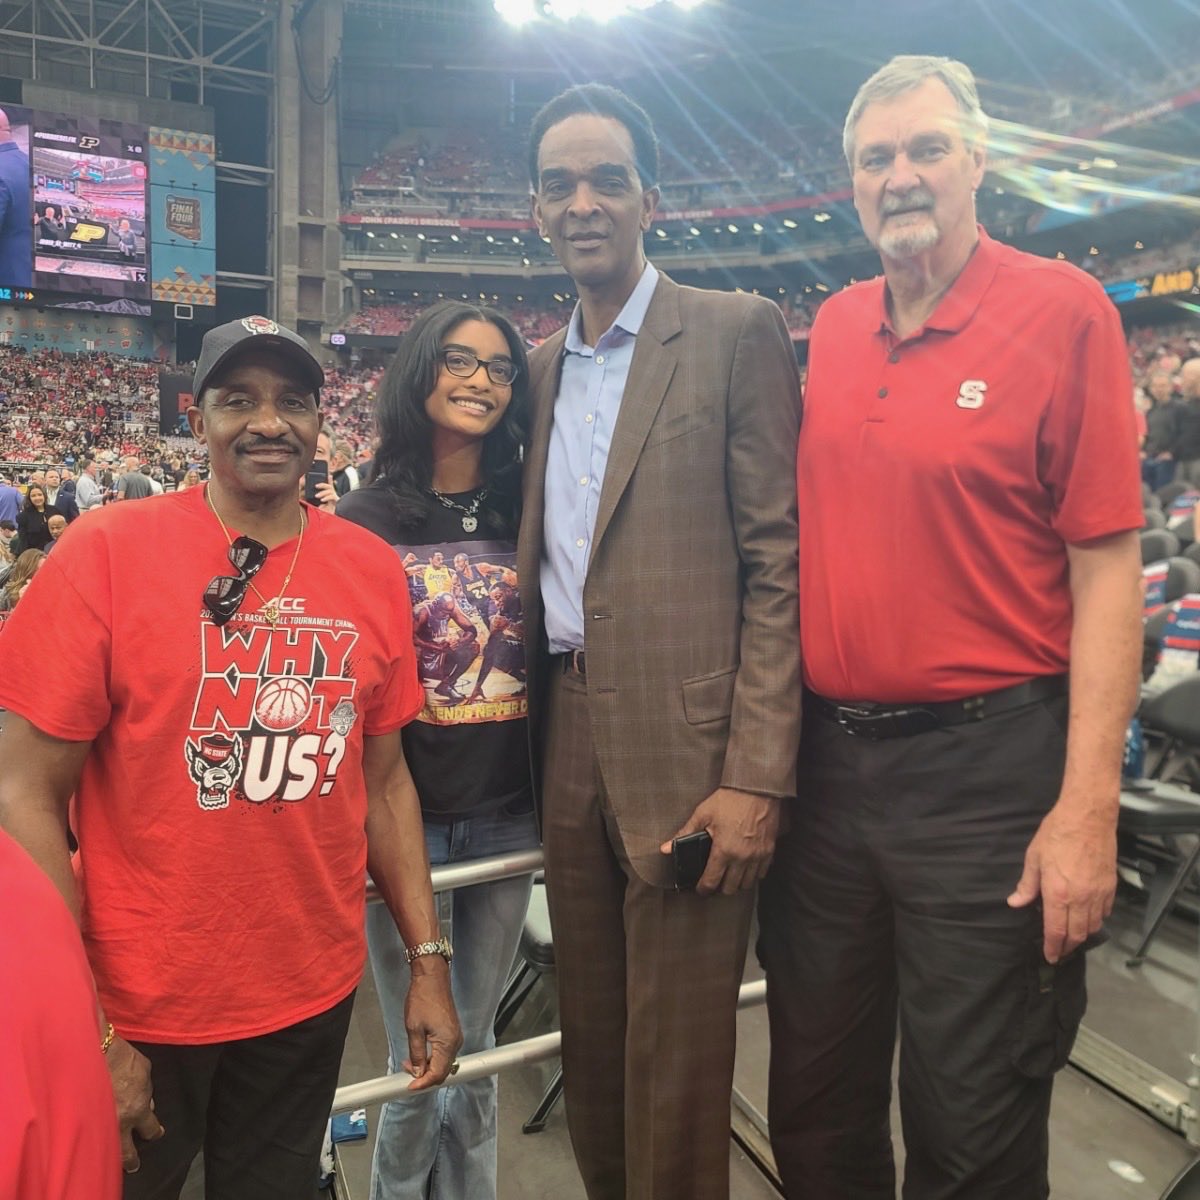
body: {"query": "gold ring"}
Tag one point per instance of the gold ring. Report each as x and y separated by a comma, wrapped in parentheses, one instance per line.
(454, 1067)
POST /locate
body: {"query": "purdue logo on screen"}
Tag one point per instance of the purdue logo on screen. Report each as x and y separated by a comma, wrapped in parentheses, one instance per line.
(183, 217)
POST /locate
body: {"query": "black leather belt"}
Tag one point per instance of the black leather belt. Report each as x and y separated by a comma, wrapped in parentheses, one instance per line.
(573, 660)
(877, 721)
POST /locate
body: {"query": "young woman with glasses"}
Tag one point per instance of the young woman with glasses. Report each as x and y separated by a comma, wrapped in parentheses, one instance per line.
(451, 414)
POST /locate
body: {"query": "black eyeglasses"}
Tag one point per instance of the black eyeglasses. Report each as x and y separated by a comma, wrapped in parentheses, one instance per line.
(464, 364)
(225, 593)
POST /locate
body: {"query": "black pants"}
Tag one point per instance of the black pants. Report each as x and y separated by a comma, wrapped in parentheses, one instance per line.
(887, 897)
(257, 1107)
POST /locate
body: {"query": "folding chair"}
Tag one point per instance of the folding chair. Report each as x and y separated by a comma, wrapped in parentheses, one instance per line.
(536, 958)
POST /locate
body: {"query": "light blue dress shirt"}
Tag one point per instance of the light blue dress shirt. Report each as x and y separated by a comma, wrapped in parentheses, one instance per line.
(585, 414)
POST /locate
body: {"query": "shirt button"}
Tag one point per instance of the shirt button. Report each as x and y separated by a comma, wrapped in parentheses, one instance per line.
(583, 481)
(894, 357)
(599, 360)
(579, 543)
(883, 393)
(588, 418)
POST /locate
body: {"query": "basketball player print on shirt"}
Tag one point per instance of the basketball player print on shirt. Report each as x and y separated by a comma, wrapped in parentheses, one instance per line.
(273, 709)
(468, 631)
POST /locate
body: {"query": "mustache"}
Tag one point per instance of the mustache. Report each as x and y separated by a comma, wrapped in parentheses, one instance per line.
(917, 198)
(281, 443)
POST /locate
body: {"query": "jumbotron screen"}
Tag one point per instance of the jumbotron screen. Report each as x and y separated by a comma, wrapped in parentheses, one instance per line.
(82, 223)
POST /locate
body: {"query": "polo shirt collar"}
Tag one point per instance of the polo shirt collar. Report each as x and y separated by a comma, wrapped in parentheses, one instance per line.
(629, 319)
(964, 295)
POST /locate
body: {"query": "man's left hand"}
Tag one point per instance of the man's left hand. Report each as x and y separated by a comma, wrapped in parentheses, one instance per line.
(743, 827)
(434, 1035)
(1072, 865)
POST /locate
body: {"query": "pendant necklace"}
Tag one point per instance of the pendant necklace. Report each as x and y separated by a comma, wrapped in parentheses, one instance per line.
(270, 608)
(470, 522)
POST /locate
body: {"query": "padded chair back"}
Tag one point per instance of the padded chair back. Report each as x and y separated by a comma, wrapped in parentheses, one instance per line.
(1156, 544)
(1169, 491)
(1176, 712)
(1154, 519)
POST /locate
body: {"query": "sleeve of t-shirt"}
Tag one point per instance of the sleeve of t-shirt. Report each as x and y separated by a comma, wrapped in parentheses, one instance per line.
(398, 700)
(1088, 447)
(55, 623)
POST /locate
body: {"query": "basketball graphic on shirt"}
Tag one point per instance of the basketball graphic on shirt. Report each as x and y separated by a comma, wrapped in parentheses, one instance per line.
(283, 704)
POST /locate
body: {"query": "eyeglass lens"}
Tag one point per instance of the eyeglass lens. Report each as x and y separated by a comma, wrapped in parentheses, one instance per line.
(464, 364)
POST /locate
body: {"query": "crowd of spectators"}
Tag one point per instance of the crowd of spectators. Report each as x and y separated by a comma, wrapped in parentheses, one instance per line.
(56, 406)
(717, 158)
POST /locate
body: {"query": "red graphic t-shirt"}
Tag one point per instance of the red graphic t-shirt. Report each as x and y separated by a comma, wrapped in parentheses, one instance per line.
(221, 812)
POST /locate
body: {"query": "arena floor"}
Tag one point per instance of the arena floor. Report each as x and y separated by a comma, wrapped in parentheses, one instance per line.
(1151, 1011)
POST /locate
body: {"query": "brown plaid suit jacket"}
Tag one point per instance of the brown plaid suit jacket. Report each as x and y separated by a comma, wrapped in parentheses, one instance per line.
(690, 600)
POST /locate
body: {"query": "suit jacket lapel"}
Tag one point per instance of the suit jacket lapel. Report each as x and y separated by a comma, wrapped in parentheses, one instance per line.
(649, 377)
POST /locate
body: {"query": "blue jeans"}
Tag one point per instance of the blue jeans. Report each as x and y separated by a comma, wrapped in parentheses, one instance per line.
(441, 1145)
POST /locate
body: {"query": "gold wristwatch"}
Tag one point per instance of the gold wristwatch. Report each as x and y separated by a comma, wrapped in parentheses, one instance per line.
(441, 946)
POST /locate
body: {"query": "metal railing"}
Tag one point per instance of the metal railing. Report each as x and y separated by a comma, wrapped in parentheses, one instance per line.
(485, 1062)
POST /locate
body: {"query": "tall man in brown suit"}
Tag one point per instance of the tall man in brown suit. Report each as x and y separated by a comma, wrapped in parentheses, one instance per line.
(658, 576)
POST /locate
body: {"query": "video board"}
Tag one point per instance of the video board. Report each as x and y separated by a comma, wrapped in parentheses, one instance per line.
(78, 227)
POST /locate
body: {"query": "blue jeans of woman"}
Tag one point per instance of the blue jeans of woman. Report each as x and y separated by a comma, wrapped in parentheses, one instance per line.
(441, 1145)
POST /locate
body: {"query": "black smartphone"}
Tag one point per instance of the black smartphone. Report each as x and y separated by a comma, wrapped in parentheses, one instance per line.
(317, 473)
(690, 855)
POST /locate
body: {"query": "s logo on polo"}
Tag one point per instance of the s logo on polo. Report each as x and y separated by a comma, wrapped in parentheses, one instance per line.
(970, 393)
(259, 325)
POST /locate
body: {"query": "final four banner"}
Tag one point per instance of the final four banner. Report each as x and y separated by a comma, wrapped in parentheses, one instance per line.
(183, 182)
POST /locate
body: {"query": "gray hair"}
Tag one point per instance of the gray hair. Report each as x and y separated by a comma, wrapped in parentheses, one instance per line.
(907, 71)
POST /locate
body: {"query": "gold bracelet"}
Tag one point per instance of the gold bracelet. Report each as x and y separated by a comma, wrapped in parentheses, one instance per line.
(109, 1034)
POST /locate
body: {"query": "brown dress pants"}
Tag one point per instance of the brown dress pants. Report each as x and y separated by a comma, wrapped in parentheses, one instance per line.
(648, 981)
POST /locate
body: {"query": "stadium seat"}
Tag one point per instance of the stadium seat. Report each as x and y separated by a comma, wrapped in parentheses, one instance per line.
(1170, 491)
(1154, 519)
(1162, 811)
(1173, 578)
(1158, 544)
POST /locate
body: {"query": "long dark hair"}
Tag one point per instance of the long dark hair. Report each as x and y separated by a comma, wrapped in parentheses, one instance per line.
(404, 461)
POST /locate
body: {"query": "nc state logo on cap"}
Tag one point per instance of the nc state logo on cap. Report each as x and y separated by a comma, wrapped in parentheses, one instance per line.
(259, 325)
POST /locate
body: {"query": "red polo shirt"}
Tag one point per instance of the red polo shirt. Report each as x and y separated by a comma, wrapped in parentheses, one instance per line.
(941, 477)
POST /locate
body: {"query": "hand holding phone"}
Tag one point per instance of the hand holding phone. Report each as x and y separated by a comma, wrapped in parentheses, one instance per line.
(690, 856)
(316, 474)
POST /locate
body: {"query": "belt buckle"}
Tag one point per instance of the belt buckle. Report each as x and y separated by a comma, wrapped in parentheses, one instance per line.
(847, 714)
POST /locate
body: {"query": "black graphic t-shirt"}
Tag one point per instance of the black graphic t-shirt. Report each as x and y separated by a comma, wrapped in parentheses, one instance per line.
(468, 748)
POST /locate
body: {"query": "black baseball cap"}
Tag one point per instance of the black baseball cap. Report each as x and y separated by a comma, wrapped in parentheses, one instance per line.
(225, 341)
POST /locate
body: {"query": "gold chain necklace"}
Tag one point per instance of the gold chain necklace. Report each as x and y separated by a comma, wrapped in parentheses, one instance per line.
(270, 608)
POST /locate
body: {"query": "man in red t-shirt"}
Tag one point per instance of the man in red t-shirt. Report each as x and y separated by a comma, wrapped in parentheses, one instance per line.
(230, 729)
(58, 1139)
(969, 500)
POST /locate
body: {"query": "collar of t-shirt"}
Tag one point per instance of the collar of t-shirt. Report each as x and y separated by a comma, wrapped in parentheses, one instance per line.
(962, 298)
(585, 415)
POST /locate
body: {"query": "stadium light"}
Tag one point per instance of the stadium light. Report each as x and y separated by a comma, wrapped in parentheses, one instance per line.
(694, 231)
(517, 12)
(788, 223)
(523, 12)
(661, 232)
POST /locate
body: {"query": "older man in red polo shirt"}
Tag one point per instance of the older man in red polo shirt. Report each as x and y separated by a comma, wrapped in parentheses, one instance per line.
(968, 487)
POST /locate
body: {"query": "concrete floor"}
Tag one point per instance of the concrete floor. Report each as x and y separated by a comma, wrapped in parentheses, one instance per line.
(1101, 1145)
(1096, 1136)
